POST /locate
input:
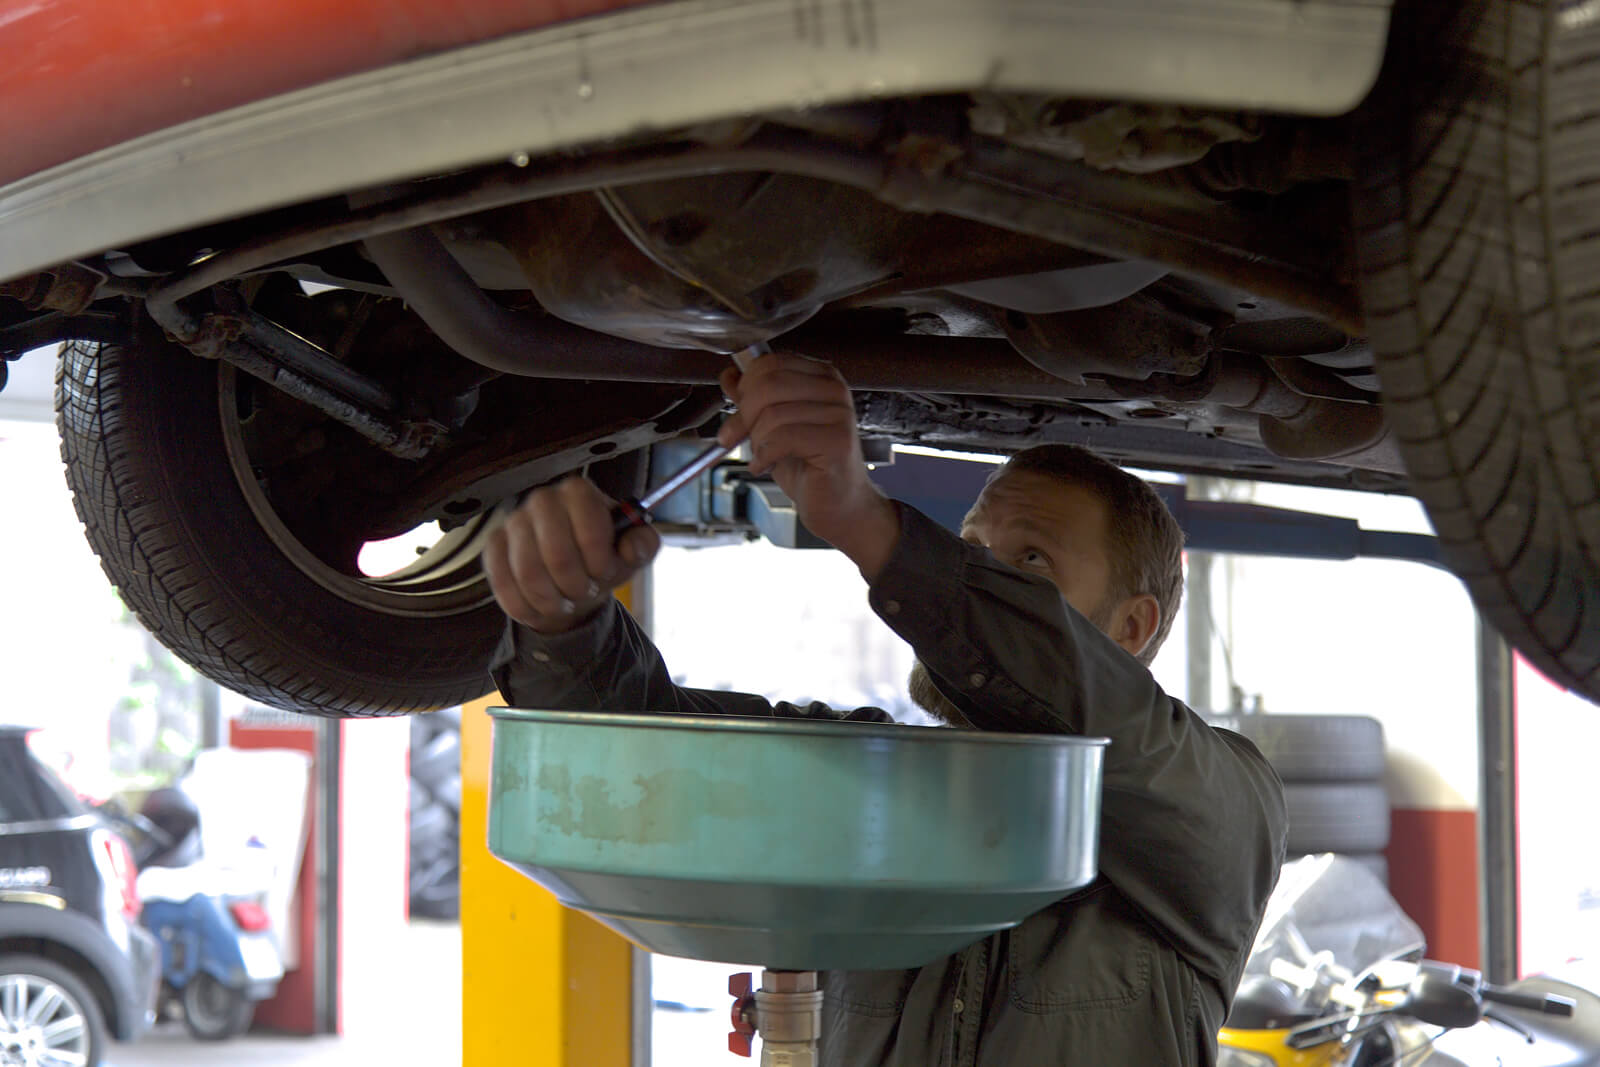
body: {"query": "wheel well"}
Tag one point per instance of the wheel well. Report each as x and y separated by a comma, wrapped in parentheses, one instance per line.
(73, 961)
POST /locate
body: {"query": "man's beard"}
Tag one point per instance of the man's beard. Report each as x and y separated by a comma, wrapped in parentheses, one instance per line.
(926, 695)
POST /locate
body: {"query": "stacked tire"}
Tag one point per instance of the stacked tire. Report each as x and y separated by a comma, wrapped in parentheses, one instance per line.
(1332, 771)
(436, 814)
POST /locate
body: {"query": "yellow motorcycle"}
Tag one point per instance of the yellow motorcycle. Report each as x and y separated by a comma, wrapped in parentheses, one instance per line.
(1337, 979)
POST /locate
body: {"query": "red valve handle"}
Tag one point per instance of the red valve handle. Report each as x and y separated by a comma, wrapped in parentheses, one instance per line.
(741, 987)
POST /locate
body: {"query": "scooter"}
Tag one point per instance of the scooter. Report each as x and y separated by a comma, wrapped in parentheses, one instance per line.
(1337, 979)
(218, 956)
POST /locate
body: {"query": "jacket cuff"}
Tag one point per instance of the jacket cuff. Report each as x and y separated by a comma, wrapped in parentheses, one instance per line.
(560, 657)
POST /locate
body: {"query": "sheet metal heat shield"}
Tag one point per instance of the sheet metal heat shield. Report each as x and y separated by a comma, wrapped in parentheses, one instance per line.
(793, 843)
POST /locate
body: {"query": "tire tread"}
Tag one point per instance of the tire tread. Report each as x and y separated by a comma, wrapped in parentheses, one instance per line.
(148, 551)
(1496, 215)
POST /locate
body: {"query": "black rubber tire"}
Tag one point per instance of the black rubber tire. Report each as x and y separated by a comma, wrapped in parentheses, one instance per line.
(142, 437)
(430, 823)
(449, 794)
(429, 849)
(214, 1012)
(1477, 219)
(72, 988)
(440, 899)
(1342, 817)
(438, 762)
(428, 725)
(1315, 748)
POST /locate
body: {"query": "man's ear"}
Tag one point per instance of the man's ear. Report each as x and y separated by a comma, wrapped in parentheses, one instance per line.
(1135, 622)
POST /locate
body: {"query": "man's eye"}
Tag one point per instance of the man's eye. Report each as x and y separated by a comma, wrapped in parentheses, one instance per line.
(1031, 558)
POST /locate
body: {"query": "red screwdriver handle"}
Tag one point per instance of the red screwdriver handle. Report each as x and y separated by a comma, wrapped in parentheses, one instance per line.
(627, 514)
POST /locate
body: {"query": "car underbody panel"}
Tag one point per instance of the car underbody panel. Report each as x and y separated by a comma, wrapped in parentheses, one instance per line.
(980, 291)
(654, 66)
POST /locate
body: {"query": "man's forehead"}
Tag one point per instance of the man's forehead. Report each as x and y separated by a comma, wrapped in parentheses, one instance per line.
(1029, 499)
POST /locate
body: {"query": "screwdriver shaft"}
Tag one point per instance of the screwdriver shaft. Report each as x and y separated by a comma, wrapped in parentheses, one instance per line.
(631, 513)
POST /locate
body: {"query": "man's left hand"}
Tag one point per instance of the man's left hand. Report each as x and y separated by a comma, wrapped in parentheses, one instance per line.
(802, 428)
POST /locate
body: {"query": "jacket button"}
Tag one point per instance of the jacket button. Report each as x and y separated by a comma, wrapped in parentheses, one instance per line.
(959, 1006)
(977, 678)
(892, 607)
(541, 656)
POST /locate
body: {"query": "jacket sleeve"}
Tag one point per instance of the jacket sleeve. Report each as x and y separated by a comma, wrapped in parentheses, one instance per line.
(608, 664)
(1193, 824)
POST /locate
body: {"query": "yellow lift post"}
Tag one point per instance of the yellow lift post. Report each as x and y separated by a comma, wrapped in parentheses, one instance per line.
(542, 986)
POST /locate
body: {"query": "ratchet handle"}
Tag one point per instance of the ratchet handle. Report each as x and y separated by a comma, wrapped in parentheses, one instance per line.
(630, 512)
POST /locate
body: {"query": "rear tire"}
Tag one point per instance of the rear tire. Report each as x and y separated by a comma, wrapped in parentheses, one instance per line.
(214, 1012)
(145, 437)
(1477, 220)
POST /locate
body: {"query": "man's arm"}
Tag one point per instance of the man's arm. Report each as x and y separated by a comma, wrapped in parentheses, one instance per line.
(1193, 823)
(608, 664)
(1192, 818)
(569, 645)
(555, 561)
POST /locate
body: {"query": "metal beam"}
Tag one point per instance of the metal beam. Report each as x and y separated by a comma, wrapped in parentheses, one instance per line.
(1497, 807)
(944, 489)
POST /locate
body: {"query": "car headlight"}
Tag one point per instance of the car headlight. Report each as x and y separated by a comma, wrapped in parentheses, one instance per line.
(1233, 1057)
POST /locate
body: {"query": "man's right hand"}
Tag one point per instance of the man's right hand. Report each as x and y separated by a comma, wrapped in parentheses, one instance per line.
(553, 563)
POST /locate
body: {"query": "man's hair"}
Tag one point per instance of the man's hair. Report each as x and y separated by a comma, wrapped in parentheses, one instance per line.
(1143, 540)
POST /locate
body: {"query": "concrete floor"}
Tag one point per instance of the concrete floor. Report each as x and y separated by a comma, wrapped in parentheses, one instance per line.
(423, 983)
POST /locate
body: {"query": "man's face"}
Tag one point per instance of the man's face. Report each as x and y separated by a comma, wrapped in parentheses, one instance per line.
(1042, 525)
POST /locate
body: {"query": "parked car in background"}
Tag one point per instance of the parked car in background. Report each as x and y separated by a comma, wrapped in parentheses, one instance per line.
(330, 274)
(76, 967)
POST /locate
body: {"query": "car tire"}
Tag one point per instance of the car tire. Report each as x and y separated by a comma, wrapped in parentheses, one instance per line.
(1477, 221)
(449, 794)
(428, 851)
(39, 976)
(1341, 817)
(151, 437)
(1315, 748)
(420, 797)
(428, 725)
(431, 822)
(436, 890)
(435, 877)
(213, 1011)
(437, 762)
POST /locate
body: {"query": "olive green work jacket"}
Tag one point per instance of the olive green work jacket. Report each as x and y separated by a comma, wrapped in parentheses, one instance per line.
(1136, 969)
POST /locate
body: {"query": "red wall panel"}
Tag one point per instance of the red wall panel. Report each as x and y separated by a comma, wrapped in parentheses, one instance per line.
(1433, 873)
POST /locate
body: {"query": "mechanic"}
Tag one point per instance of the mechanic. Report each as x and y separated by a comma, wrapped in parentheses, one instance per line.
(1042, 617)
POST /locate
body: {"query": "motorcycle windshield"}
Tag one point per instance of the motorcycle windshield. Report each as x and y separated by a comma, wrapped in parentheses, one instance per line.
(1329, 913)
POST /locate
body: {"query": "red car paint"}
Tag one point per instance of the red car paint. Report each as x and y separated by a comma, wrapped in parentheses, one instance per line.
(81, 75)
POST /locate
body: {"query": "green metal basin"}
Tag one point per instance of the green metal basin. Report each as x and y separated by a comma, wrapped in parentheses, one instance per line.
(793, 843)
